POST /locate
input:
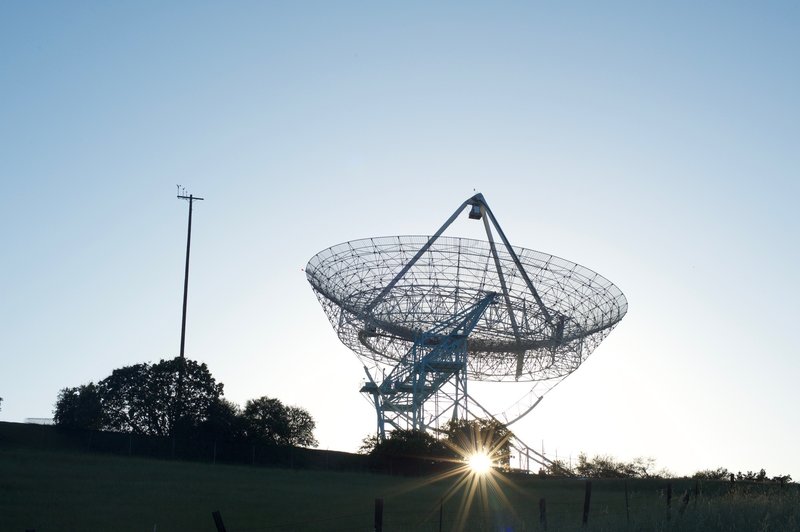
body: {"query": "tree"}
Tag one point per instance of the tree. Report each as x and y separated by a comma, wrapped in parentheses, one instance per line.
(555, 468)
(720, 473)
(368, 444)
(463, 439)
(143, 398)
(487, 436)
(601, 466)
(79, 408)
(606, 466)
(644, 467)
(268, 420)
(301, 427)
(406, 443)
(223, 421)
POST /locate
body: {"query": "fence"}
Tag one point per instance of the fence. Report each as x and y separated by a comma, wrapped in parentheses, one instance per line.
(626, 509)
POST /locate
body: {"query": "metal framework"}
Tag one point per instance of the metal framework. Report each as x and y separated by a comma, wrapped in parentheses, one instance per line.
(427, 314)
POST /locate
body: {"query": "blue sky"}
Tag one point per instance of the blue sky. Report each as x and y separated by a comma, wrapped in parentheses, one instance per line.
(655, 144)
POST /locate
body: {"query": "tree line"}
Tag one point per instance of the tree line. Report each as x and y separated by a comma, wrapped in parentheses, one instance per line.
(179, 397)
(722, 473)
(605, 466)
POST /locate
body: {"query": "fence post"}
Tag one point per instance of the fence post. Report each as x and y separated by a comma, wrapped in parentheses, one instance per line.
(218, 521)
(378, 515)
(685, 502)
(627, 505)
(669, 500)
(543, 513)
(587, 498)
(441, 513)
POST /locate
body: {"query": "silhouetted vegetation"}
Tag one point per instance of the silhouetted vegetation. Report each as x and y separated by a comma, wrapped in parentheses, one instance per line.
(179, 397)
(605, 466)
(79, 408)
(406, 443)
(224, 421)
(142, 399)
(460, 439)
(483, 436)
(750, 476)
(269, 420)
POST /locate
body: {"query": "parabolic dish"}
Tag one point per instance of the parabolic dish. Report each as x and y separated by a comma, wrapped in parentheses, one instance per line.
(517, 338)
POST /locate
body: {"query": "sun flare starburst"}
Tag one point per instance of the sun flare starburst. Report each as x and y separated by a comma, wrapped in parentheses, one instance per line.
(480, 463)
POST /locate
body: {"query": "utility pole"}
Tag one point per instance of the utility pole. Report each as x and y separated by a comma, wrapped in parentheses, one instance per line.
(182, 362)
(191, 199)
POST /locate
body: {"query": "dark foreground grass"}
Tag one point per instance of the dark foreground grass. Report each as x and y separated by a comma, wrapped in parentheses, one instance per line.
(48, 491)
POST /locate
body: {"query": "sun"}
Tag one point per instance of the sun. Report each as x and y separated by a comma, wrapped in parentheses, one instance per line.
(479, 463)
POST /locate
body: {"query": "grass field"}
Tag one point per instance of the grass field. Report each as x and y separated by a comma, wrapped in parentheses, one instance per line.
(48, 491)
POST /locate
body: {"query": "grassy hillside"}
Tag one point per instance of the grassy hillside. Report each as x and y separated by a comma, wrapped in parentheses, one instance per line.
(71, 491)
(49, 490)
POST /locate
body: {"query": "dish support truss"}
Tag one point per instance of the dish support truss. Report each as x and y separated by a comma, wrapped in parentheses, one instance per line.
(436, 364)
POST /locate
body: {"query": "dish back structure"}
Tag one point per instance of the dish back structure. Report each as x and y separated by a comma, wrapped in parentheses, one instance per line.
(427, 314)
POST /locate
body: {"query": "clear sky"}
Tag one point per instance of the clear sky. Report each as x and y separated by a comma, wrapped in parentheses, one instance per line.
(655, 143)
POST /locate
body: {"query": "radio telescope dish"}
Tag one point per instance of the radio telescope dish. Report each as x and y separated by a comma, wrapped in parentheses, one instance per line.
(427, 314)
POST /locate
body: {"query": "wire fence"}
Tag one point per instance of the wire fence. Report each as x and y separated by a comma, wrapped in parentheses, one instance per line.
(556, 505)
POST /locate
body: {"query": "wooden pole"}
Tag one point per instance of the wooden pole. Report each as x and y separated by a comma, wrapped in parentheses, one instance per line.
(685, 502)
(378, 515)
(669, 501)
(587, 498)
(627, 505)
(218, 521)
(543, 513)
